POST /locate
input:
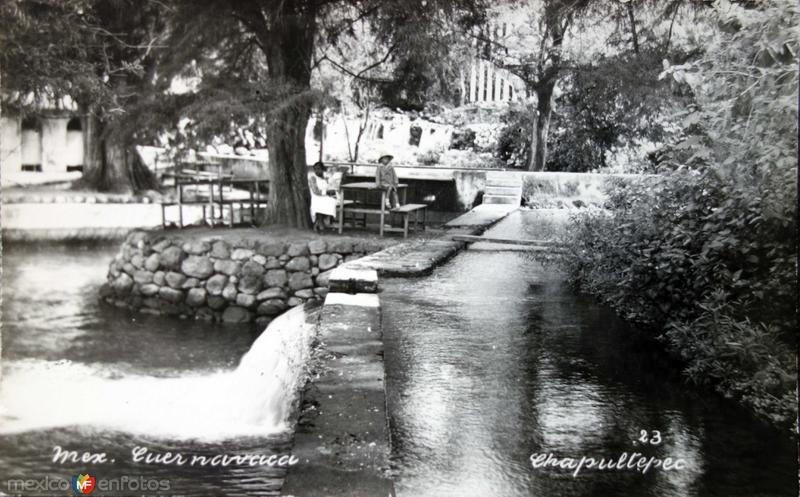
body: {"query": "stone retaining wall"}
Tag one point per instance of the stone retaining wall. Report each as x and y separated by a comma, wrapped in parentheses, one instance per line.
(223, 281)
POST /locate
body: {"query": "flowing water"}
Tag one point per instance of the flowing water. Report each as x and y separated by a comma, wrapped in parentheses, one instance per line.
(82, 376)
(493, 359)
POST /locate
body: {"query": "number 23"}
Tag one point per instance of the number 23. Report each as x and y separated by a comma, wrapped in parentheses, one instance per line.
(653, 437)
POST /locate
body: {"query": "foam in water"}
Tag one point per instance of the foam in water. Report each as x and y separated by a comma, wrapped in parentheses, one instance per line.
(254, 399)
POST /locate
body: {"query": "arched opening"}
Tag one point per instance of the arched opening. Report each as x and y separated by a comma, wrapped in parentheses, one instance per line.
(74, 155)
(31, 144)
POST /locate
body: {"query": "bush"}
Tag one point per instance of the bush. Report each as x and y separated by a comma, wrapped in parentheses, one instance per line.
(463, 139)
(429, 158)
(708, 260)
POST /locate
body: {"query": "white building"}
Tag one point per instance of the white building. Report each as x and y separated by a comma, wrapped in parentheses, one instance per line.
(51, 143)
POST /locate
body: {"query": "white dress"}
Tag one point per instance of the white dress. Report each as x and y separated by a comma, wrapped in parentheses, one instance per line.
(320, 204)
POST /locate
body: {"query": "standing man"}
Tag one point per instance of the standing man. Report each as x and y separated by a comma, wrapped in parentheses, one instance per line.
(386, 179)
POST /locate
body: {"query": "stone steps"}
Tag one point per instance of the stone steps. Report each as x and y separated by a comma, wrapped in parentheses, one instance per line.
(502, 199)
(503, 188)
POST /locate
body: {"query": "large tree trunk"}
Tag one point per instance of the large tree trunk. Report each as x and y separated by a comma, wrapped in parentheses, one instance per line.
(541, 126)
(288, 45)
(557, 18)
(109, 164)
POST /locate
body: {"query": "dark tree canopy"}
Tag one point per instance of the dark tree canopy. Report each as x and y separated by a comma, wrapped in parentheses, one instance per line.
(255, 59)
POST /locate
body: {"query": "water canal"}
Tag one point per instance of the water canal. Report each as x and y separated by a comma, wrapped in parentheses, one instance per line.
(85, 376)
(489, 360)
(492, 359)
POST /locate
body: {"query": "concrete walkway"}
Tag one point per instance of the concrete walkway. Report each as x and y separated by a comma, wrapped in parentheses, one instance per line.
(342, 437)
(482, 216)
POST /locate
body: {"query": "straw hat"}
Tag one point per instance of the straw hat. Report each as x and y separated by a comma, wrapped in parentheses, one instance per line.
(384, 155)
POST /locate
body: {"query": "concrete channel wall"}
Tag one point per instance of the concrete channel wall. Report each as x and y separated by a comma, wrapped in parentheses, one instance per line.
(342, 437)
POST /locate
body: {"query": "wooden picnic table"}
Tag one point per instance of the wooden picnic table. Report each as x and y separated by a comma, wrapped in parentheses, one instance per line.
(189, 177)
(367, 186)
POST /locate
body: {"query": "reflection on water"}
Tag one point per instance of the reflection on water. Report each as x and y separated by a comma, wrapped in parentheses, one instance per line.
(116, 380)
(51, 312)
(492, 359)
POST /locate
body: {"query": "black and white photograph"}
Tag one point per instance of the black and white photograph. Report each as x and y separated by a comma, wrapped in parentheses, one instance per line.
(399, 248)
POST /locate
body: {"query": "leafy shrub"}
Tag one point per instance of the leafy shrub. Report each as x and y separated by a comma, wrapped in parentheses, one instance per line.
(429, 158)
(463, 139)
(672, 247)
(514, 142)
(706, 253)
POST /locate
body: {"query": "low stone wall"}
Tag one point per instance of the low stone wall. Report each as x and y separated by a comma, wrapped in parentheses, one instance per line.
(214, 279)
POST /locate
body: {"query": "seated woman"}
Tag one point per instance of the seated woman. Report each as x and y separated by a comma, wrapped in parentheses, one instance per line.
(323, 206)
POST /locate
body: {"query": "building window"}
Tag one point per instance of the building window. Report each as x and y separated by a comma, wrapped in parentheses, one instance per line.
(74, 153)
(31, 144)
(74, 124)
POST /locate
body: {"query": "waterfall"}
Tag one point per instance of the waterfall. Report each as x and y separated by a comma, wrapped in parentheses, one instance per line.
(254, 399)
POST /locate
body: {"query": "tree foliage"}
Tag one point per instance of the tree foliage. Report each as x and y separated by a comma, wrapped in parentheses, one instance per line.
(706, 253)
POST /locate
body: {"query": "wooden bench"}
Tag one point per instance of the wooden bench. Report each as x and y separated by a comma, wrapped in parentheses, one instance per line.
(406, 210)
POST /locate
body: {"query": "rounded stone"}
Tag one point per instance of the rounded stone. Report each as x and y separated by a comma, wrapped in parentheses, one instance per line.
(190, 283)
(245, 300)
(275, 277)
(241, 254)
(175, 280)
(196, 247)
(216, 283)
(204, 314)
(138, 261)
(250, 283)
(162, 244)
(197, 267)
(229, 292)
(323, 279)
(298, 264)
(306, 293)
(227, 266)
(294, 301)
(235, 314)
(220, 249)
(148, 289)
(159, 278)
(122, 284)
(327, 261)
(216, 302)
(252, 268)
(298, 281)
(270, 249)
(171, 295)
(271, 307)
(321, 291)
(172, 257)
(297, 249)
(152, 262)
(272, 293)
(340, 246)
(272, 263)
(314, 271)
(260, 259)
(196, 297)
(142, 277)
(317, 247)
